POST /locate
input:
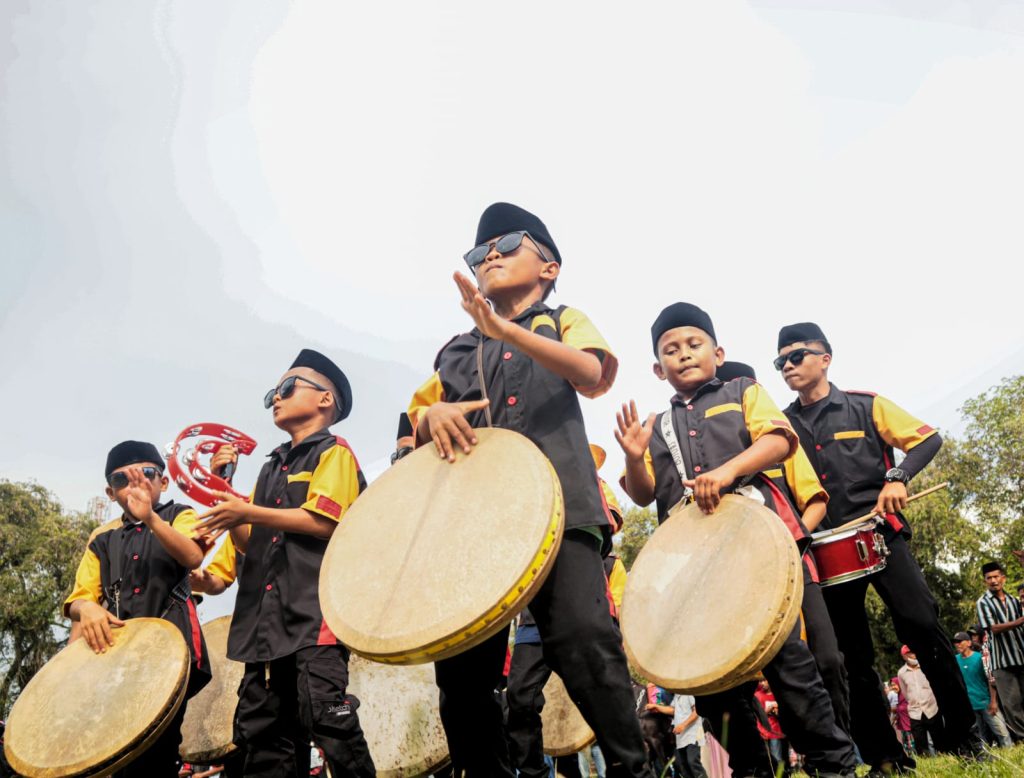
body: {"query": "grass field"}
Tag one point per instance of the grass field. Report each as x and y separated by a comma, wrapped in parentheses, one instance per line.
(1005, 763)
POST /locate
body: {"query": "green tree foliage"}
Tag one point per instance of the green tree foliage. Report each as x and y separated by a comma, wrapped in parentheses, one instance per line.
(638, 524)
(40, 546)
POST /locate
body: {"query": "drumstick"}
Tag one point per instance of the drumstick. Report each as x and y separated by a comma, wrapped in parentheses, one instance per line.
(910, 499)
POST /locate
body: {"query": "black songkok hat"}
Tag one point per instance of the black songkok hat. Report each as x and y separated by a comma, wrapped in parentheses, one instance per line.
(730, 370)
(314, 360)
(680, 315)
(990, 567)
(502, 218)
(404, 426)
(132, 452)
(804, 332)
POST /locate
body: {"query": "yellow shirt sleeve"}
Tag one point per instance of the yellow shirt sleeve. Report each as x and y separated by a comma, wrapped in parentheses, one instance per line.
(763, 417)
(429, 393)
(580, 333)
(802, 480)
(224, 564)
(88, 585)
(185, 523)
(897, 427)
(648, 466)
(334, 484)
(617, 582)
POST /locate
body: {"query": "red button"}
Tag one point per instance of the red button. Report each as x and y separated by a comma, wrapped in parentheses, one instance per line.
(696, 469)
(135, 556)
(284, 467)
(507, 355)
(689, 407)
(824, 476)
(512, 400)
(136, 590)
(138, 529)
(817, 447)
(269, 587)
(277, 501)
(273, 539)
(693, 433)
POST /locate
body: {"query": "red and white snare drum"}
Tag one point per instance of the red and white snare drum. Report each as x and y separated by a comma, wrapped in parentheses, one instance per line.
(847, 553)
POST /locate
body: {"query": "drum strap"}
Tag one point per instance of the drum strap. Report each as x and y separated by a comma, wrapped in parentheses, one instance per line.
(669, 433)
(483, 382)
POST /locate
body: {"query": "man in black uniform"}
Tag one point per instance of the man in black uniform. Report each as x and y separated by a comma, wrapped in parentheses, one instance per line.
(849, 438)
(296, 672)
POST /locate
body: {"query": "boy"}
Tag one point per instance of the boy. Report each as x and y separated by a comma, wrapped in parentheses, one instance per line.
(137, 567)
(296, 672)
(849, 438)
(981, 691)
(535, 361)
(728, 432)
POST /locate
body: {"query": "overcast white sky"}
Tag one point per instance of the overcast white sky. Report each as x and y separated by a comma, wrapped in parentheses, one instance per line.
(194, 191)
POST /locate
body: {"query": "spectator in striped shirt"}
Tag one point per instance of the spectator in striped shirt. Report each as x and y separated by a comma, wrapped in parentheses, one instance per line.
(1001, 615)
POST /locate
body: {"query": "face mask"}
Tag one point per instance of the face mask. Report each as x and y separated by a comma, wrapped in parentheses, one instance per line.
(912, 662)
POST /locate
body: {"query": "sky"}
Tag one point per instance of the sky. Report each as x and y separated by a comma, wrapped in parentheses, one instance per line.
(191, 193)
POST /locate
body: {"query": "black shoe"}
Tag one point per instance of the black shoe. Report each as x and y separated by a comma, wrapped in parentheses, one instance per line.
(889, 767)
(973, 750)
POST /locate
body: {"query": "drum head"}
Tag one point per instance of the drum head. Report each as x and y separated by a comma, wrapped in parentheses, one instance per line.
(436, 557)
(398, 711)
(208, 728)
(565, 731)
(711, 599)
(89, 714)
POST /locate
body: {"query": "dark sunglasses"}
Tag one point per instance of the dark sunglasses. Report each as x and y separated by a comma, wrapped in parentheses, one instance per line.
(796, 356)
(506, 244)
(287, 388)
(119, 480)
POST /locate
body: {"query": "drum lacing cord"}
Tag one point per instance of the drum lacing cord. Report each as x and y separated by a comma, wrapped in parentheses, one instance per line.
(480, 377)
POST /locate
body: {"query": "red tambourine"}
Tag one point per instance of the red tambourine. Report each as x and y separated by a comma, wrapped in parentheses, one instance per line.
(191, 476)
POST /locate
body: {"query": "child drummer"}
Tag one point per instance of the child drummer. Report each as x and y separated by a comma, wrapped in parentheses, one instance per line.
(296, 675)
(727, 432)
(537, 360)
(139, 566)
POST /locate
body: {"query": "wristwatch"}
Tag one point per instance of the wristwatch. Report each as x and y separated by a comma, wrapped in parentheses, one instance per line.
(895, 474)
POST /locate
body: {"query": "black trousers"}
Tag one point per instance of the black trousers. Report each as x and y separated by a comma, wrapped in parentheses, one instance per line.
(580, 642)
(297, 699)
(161, 759)
(923, 727)
(688, 764)
(915, 616)
(805, 713)
(821, 639)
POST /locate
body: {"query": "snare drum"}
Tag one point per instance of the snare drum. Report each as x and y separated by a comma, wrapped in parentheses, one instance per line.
(733, 578)
(399, 716)
(565, 730)
(847, 554)
(88, 714)
(208, 728)
(436, 557)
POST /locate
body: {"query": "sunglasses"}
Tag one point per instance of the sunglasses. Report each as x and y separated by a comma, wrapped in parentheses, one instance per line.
(119, 480)
(287, 388)
(506, 244)
(796, 356)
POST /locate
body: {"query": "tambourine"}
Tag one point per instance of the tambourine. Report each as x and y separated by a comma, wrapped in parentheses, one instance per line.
(191, 476)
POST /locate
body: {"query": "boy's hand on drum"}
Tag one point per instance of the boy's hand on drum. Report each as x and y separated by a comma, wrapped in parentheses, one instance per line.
(892, 498)
(633, 437)
(96, 623)
(707, 487)
(448, 428)
(225, 455)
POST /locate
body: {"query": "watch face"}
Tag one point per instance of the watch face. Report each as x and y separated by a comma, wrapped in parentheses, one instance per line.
(895, 474)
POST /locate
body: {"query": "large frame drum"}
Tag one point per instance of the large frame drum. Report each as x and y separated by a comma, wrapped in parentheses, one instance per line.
(711, 598)
(208, 729)
(435, 557)
(87, 714)
(565, 730)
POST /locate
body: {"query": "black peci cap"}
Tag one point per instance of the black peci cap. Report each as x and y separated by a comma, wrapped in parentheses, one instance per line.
(680, 315)
(132, 452)
(502, 218)
(314, 360)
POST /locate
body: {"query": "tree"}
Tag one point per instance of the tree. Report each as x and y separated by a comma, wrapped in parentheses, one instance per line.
(40, 546)
(638, 524)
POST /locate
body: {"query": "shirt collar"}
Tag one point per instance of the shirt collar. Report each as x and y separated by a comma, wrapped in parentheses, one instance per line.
(282, 451)
(835, 396)
(538, 308)
(710, 386)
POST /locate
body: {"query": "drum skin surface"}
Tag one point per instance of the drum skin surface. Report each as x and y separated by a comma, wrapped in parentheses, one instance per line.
(87, 714)
(435, 557)
(565, 731)
(399, 716)
(208, 728)
(711, 599)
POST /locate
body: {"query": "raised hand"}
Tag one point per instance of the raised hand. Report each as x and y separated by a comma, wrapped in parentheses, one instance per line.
(473, 303)
(633, 436)
(139, 495)
(225, 455)
(448, 427)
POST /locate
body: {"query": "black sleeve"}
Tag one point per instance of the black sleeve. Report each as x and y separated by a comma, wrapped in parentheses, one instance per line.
(921, 454)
